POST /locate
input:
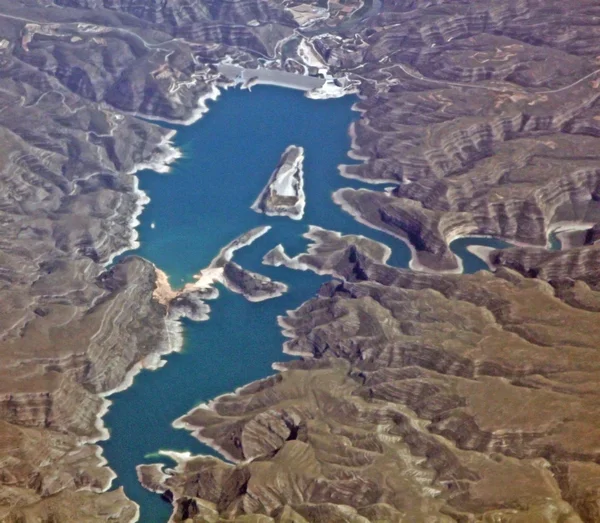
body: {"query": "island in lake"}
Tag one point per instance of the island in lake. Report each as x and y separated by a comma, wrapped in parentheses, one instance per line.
(411, 387)
(284, 194)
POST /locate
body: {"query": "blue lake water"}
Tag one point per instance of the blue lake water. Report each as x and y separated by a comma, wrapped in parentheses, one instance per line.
(472, 263)
(198, 208)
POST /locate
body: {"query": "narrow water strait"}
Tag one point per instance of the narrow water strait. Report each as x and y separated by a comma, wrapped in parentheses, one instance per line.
(196, 209)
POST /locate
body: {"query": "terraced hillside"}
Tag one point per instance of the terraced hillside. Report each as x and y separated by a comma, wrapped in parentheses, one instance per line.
(419, 394)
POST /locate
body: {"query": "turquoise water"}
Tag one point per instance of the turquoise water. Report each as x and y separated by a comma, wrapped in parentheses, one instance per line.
(555, 243)
(196, 209)
(472, 263)
(229, 155)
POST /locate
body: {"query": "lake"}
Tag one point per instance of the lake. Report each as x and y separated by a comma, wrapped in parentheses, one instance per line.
(201, 205)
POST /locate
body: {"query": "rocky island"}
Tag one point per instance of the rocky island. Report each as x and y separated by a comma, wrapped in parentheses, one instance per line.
(284, 194)
(415, 395)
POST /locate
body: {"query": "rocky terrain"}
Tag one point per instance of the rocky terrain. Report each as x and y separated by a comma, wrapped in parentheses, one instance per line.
(68, 333)
(223, 270)
(418, 396)
(483, 119)
(422, 396)
(73, 78)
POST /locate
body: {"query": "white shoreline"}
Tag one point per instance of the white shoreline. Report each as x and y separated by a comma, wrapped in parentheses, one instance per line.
(281, 288)
(313, 231)
(159, 467)
(152, 361)
(483, 252)
(354, 155)
(196, 113)
(167, 154)
(244, 240)
(562, 229)
(454, 235)
(297, 263)
(165, 472)
(196, 432)
(180, 457)
(210, 405)
(208, 277)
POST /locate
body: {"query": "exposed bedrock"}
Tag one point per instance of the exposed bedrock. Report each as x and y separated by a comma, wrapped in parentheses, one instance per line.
(463, 112)
(417, 395)
(573, 273)
(442, 396)
(520, 195)
(208, 23)
(253, 286)
(188, 301)
(74, 75)
(68, 332)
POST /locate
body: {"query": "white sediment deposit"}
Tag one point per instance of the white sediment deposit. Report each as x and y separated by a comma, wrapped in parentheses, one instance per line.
(323, 250)
(284, 194)
(484, 253)
(333, 88)
(249, 77)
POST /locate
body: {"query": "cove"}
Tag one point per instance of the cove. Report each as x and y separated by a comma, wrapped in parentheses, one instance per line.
(196, 209)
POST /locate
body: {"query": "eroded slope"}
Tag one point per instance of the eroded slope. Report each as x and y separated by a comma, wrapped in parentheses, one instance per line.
(450, 397)
(483, 119)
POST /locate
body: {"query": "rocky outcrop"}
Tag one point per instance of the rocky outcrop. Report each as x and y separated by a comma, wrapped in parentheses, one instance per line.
(68, 332)
(477, 136)
(74, 77)
(420, 394)
(49, 401)
(188, 301)
(572, 273)
(253, 286)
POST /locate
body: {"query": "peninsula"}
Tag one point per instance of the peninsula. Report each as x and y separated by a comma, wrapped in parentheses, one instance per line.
(189, 301)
